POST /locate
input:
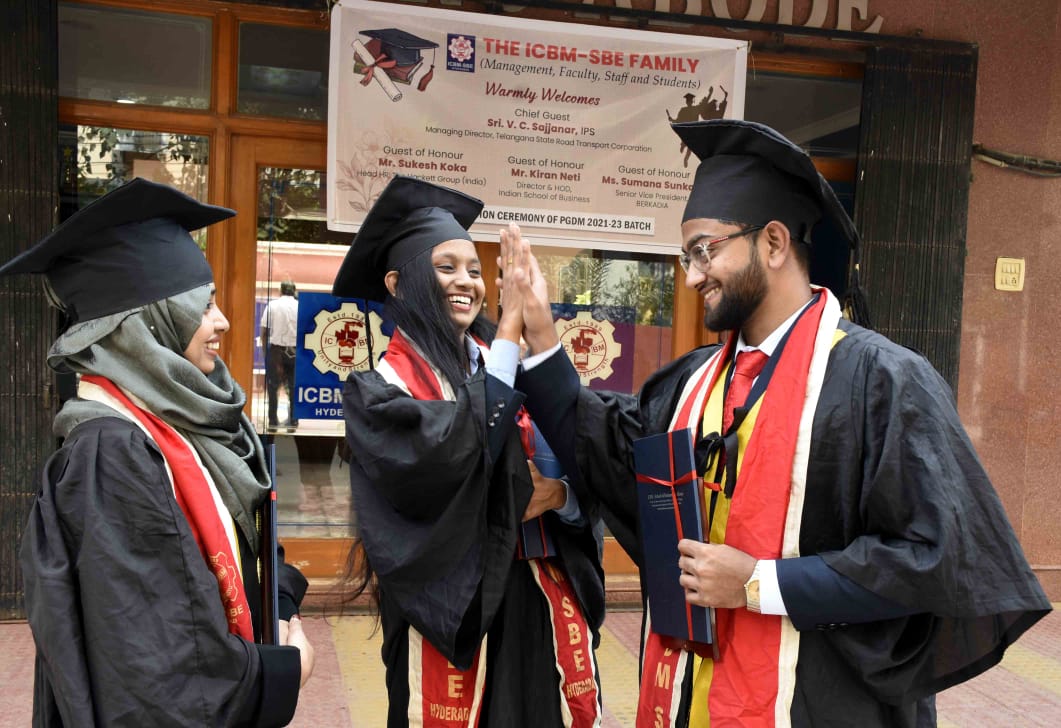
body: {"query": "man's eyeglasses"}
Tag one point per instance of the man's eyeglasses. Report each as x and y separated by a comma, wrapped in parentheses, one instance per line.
(699, 255)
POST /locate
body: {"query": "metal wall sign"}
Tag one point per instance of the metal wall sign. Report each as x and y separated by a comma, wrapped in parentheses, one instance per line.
(562, 128)
(336, 336)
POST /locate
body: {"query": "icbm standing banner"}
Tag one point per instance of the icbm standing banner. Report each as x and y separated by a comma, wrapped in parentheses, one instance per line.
(561, 127)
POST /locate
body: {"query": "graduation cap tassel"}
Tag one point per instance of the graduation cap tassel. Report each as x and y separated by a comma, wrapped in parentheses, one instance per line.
(426, 78)
(855, 303)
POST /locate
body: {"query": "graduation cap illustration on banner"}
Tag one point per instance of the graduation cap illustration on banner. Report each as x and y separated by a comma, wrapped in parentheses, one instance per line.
(395, 53)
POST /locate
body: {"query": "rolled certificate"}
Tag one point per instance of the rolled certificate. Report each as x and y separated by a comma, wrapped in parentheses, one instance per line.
(378, 74)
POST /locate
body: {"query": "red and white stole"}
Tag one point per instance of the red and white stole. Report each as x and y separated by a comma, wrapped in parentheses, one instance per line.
(442, 696)
(576, 663)
(198, 500)
(753, 681)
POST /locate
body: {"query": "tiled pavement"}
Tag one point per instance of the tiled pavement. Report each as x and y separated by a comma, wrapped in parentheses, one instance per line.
(346, 690)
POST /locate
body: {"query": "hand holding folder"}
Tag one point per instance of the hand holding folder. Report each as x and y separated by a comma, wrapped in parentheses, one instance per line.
(535, 540)
(669, 496)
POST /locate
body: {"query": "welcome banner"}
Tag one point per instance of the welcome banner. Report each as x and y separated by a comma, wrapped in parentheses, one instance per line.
(560, 127)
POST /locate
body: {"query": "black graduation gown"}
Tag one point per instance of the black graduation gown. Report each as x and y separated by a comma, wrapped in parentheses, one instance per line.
(125, 613)
(896, 501)
(439, 488)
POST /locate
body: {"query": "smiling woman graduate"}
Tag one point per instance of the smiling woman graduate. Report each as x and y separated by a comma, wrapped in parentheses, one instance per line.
(472, 634)
(140, 555)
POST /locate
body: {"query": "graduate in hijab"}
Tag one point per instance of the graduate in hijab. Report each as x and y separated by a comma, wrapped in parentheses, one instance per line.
(857, 557)
(441, 486)
(140, 557)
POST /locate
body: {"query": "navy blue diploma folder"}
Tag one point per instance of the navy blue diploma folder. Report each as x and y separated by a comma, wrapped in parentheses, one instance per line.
(667, 484)
(535, 540)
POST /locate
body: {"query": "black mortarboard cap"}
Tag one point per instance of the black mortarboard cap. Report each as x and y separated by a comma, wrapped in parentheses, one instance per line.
(409, 217)
(128, 248)
(750, 173)
(401, 47)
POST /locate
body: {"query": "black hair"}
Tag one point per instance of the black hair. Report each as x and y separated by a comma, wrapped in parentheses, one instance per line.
(420, 310)
(287, 288)
(801, 250)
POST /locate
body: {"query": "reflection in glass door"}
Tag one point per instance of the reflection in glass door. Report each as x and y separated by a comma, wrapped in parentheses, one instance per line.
(295, 256)
(614, 313)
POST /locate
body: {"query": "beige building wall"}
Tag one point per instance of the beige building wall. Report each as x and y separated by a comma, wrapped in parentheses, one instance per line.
(1009, 394)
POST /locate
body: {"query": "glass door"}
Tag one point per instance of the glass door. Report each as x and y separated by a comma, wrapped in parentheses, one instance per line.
(282, 253)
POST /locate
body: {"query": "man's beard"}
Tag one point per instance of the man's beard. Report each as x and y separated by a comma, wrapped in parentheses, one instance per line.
(739, 298)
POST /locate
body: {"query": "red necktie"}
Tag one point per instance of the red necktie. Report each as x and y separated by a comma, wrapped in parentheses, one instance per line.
(745, 370)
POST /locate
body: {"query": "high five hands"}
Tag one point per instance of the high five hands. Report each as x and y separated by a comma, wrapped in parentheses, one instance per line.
(526, 314)
(524, 288)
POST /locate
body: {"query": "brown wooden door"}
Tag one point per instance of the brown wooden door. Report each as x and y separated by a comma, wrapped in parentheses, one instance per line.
(237, 273)
(235, 266)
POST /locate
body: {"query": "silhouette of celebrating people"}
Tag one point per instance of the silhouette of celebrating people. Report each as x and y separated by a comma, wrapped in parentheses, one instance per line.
(691, 112)
(708, 108)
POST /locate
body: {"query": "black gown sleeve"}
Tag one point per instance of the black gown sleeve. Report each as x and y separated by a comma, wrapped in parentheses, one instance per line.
(899, 504)
(439, 487)
(592, 432)
(502, 402)
(401, 438)
(125, 614)
(291, 586)
(817, 597)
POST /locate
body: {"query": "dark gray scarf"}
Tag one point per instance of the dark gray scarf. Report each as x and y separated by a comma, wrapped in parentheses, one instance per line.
(141, 351)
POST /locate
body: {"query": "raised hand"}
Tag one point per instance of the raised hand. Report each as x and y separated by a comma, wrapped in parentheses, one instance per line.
(510, 262)
(523, 274)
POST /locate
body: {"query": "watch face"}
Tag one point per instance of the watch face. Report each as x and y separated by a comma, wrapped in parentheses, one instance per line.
(753, 589)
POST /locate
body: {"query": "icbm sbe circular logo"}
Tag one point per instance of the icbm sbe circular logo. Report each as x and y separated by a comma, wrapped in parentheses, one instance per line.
(590, 345)
(339, 340)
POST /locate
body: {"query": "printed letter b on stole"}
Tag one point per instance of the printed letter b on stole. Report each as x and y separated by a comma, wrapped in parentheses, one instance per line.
(670, 504)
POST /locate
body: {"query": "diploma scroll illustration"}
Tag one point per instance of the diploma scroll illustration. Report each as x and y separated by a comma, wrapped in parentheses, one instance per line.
(378, 74)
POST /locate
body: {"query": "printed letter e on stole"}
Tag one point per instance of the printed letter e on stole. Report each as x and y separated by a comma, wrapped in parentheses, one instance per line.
(456, 686)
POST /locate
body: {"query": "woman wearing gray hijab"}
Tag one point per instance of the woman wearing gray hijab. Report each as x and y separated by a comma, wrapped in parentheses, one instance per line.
(141, 553)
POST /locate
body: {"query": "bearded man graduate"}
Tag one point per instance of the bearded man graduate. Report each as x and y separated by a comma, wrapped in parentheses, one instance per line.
(858, 558)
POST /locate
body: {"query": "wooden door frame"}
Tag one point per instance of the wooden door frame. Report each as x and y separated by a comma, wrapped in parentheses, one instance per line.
(235, 271)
